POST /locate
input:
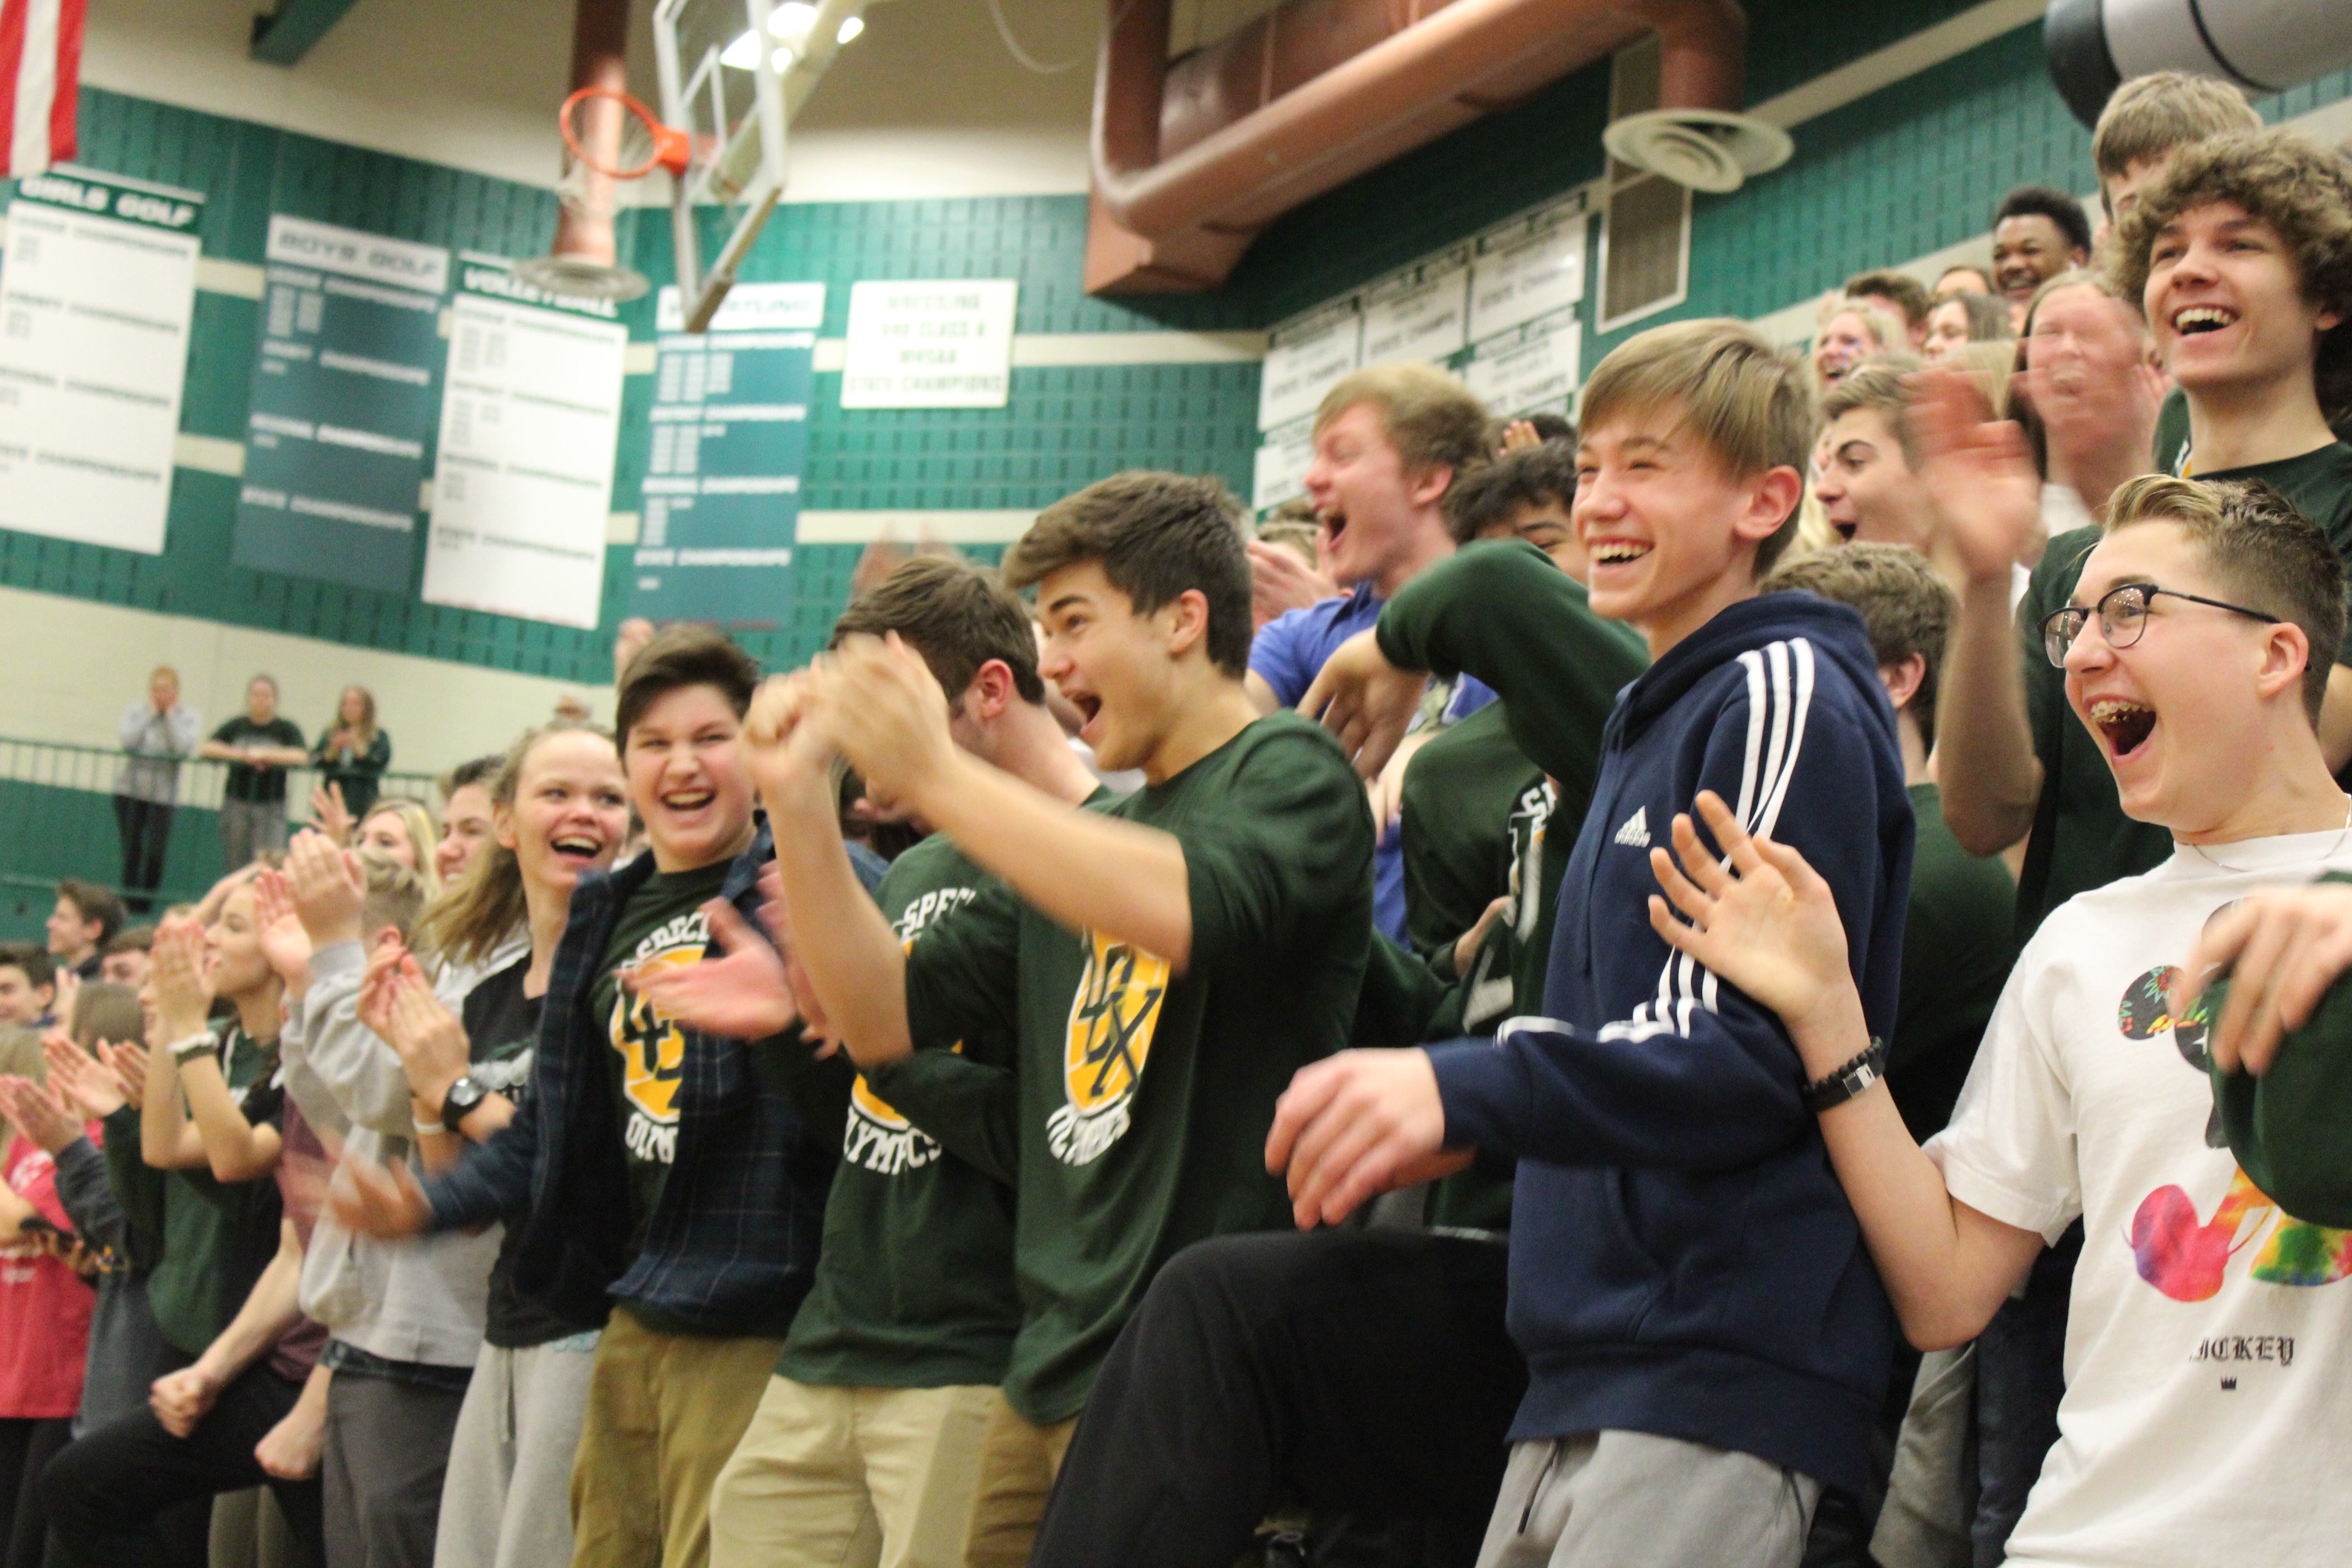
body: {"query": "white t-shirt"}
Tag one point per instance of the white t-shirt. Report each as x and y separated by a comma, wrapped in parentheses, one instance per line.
(2208, 1414)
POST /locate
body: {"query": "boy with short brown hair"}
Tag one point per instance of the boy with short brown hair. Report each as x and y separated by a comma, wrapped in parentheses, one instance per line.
(1164, 959)
(1707, 1340)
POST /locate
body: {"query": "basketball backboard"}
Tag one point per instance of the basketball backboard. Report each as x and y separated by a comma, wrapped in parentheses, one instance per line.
(736, 97)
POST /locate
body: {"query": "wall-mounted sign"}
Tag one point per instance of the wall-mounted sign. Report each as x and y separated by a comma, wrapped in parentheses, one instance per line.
(1305, 359)
(1533, 366)
(1527, 268)
(341, 405)
(1420, 313)
(1281, 467)
(1500, 309)
(96, 294)
(944, 344)
(721, 493)
(530, 415)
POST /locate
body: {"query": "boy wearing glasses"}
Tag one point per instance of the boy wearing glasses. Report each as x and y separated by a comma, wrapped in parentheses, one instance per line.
(2209, 1391)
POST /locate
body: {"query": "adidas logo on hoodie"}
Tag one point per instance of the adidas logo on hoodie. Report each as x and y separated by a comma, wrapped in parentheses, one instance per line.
(1635, 834)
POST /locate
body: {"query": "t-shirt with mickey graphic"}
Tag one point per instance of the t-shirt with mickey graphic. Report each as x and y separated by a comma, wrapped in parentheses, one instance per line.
(662, 926)
(1141, 1103)
(914, 1283)
(2208, 1347)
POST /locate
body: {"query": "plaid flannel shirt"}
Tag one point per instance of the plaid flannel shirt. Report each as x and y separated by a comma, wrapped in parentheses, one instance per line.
(732, 1246)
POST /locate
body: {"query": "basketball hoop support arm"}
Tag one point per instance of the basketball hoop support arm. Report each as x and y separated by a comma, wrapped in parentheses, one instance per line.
(747, 170)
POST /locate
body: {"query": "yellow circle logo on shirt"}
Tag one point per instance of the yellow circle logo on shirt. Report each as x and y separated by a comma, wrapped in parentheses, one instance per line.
(651, 1046)
(1112, 1018)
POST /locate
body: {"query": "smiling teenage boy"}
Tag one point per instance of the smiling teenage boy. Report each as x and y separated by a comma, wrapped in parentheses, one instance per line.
(2240, 257)
(2208, 1378)
(1389, 441)
(1706, 1342)
(1166, 960)
(677, 1179)
(871, 1426)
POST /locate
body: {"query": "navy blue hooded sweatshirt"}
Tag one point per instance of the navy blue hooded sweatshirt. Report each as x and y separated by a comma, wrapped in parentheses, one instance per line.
(1683, 1261)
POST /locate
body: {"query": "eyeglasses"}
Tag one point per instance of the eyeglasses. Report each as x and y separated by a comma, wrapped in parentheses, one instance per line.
(2123, 616)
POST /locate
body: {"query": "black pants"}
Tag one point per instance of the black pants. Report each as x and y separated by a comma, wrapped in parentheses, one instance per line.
(27, 1444)
(1359, 1371)
(146, 829)
(106, 1489)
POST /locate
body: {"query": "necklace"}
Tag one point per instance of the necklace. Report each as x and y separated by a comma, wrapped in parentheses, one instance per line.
(2224, 865)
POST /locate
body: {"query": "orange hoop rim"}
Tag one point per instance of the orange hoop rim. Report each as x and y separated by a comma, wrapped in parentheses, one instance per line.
(673, 149)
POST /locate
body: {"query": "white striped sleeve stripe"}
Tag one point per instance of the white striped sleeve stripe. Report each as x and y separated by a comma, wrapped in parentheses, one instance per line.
(1779, 700)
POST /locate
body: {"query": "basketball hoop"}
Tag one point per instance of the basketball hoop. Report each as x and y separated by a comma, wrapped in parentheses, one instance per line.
(628, 150)
(608, 137)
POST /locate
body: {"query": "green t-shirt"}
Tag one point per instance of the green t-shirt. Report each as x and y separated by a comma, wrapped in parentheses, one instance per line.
(662, 925)
(1459, 790)
(2173, 432)
(1139, 1110)
(914, 1286)
(2082, 839)
(1959, 943)
(218, 1236)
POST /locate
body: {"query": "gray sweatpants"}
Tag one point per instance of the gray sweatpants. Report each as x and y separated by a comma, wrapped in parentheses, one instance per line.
(508, 1501)
(386, 1445)
(1628, 1500)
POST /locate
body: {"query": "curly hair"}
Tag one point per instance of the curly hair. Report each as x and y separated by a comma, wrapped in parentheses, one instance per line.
(2297, 186)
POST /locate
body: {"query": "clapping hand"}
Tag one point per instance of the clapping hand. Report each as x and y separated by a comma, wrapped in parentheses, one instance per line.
(430, 1040)
(329, 885)
(745, 994)
(38, 1112)
(182, 975)
(1979, 473)
(284, 941)
(328, 814)
(384, 1202)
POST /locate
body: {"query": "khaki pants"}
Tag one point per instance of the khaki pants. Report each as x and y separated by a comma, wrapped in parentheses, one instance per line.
(1018, 1462)
(852, 1478)
(665, 1412)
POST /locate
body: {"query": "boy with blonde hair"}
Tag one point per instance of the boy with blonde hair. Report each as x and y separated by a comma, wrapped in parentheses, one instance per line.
(1707, 1342)
(1389, 441)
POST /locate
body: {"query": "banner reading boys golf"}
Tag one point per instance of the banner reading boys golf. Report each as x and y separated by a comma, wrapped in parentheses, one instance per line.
(720, 499)
(531, 414)
(343, 401)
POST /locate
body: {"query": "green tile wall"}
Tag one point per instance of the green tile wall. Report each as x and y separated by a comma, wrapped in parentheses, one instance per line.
(1905, 171)
(1062, 428)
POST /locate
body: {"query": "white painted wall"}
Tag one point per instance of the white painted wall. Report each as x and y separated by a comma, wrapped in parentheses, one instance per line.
(74, 665)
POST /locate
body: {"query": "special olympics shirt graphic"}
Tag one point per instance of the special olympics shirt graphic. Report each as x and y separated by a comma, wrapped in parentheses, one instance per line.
(1111, 1022)
(652, 1047)
(875, 1137)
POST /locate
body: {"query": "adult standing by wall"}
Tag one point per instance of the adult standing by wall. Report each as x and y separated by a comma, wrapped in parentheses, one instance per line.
(352, 754)
(258, 747)
(156, 732)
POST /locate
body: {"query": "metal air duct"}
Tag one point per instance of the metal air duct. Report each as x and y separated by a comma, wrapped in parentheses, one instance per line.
(2263, 46)
(1193, 157)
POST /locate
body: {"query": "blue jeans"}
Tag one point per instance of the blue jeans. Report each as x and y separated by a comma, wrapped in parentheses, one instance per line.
(2020, 1377)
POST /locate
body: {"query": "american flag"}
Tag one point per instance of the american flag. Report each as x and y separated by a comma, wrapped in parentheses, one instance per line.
(40, 70)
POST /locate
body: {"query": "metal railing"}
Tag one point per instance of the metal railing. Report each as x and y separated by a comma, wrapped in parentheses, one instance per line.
(57, 820)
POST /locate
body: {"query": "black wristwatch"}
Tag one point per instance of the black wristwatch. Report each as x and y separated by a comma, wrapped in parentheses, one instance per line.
(459, 1102)
(1824, 1093)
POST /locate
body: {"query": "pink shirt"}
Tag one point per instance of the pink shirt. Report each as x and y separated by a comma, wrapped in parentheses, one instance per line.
(45, 1306)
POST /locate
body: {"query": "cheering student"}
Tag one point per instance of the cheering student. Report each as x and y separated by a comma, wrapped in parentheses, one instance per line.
(873, 1422)
(675, 1179)
(2204, 1353)
(1166, 960)
(1707, 1344)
